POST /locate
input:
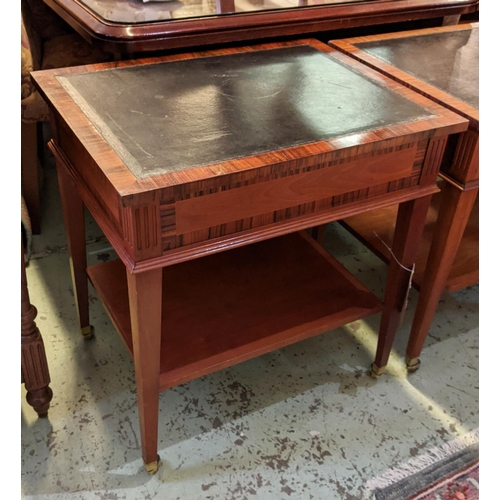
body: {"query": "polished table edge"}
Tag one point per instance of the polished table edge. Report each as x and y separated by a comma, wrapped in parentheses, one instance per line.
(463, 172)
(141, 37)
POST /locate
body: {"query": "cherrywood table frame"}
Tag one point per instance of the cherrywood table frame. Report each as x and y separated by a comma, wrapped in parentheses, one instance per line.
(181, 33)
(140, 217)
(461, 175)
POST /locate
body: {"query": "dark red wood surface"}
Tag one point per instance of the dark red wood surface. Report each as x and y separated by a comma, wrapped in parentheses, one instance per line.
(153, 36)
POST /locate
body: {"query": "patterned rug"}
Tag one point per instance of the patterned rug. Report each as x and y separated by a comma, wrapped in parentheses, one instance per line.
(450, 472)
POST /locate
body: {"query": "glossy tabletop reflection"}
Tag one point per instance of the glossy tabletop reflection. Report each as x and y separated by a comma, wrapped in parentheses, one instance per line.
(449, 61)
(137, 11)
(171, 116)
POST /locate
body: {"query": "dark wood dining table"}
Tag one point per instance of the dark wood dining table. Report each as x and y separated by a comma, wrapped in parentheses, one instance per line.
(130, 27)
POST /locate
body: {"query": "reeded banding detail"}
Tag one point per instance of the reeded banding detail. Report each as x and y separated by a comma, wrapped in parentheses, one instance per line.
(464, 152)
(36, 372)
(434, 155)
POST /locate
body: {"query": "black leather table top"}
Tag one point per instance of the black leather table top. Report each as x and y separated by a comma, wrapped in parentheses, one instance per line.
(448, 61)
(177, 115)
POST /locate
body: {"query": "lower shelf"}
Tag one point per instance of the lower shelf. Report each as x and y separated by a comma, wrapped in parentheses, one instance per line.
(465, 270)
(226, 308)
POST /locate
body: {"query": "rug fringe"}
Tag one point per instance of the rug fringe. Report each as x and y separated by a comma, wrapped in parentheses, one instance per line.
(415, 465)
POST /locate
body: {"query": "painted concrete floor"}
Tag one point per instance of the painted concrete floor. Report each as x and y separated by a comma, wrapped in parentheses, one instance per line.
(304, 422)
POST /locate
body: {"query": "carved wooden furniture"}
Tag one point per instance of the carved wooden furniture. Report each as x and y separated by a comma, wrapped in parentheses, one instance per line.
(34, 367)
(440, 63)
(130, 26)
(46, 42)
(226, 155)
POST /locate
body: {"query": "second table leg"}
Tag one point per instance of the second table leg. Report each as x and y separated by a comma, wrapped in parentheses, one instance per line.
(74, 221)
(454, 212)
(145, 299)
(407, 235)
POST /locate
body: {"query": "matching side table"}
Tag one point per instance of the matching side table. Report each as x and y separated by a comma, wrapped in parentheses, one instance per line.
(204, 169)
(442, 64)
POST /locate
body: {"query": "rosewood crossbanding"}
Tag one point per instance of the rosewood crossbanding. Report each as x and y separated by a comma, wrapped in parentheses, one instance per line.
(262, 283)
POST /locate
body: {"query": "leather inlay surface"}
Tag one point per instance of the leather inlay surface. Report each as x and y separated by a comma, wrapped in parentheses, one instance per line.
(448, 61)
(173, 116)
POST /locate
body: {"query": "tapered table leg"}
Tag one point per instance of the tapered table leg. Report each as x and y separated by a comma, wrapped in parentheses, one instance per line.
(145, 298)
(34, 368)
(318, 233)
(409, 228)
(74, 221)
(454, 212)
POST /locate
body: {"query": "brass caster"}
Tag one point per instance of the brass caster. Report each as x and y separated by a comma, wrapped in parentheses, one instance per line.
(412, 364)
(87, 332)
(153, 467)
(376, 371)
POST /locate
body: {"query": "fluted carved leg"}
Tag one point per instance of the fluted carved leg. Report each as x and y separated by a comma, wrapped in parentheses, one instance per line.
(34, 368)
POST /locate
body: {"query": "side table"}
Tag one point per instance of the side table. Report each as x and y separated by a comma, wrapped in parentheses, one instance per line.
(203, 169)
(442, 64)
